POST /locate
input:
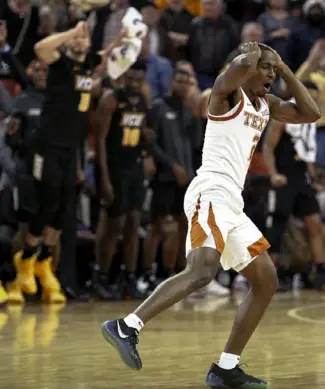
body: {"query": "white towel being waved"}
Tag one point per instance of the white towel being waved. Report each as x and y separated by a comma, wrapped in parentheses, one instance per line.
(124, 56)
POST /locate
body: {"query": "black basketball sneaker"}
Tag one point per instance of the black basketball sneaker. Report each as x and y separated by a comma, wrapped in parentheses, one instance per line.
(234, 378)
(124, 339)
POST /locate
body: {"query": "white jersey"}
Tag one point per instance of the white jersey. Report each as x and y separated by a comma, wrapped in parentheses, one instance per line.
(231, 139)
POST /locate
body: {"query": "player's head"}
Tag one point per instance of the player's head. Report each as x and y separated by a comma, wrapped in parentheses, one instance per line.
(38, 74)
(260, 82)
(135, 76)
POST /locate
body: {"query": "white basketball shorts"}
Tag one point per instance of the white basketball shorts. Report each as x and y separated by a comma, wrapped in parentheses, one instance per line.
(214, 210)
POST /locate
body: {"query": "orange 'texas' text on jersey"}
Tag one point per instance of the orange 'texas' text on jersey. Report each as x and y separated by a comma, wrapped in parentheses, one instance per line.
(231, 139)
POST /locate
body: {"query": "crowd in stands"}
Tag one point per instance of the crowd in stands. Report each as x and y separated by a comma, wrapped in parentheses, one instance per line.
(197, 37)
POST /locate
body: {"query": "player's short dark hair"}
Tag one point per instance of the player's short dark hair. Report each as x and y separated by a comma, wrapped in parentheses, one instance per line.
(310, 85)
(139, 65)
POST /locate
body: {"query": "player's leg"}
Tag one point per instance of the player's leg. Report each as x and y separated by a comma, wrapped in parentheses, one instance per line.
(280, 206)
(245, 252)
(204, 244)
(307, 208)
(110, 226)
(45, 171)
(135, 198)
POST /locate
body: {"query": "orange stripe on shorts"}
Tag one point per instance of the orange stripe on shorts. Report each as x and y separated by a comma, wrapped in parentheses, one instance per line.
(220, 244)
(198, 235)
(258, 247)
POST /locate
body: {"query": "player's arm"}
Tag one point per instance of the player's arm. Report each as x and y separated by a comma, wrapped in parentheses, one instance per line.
(271, 140)
(48, 49)
(304, 110)
(228, 81)
(106, 107)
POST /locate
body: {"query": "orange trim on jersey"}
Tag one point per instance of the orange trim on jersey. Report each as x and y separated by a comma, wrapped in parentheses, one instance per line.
(258, 247)
(228, 117)
(197, 234)
(266, 99)
(218, 239)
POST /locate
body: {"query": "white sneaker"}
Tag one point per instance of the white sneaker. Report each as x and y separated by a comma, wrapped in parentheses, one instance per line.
(216, 289)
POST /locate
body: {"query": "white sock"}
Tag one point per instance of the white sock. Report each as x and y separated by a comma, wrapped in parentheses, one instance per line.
(134, 321)
(228, 361)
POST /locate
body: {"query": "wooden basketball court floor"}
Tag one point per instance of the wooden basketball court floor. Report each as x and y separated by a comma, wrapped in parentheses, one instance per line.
(46, 347)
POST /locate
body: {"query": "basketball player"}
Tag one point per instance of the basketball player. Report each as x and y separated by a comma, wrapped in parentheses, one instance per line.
(121, 121)
(219, 231)
(290, 153)
(53, 163)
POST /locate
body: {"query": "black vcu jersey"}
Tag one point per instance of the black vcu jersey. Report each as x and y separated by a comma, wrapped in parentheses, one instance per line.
(65, 116)
(296, 148)
(125, 144)
(64, 124)
(125, 137)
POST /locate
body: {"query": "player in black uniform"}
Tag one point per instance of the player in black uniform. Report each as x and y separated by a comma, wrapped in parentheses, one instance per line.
(53, 162)
(120, 143)
(290, 151)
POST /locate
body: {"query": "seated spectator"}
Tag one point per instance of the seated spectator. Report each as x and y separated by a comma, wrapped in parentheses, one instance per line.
(176, 20)
(277, 24)
(159, 71)
(306, 32)
(313, 69)
(24, 26)
(192, 6)
(212, 37)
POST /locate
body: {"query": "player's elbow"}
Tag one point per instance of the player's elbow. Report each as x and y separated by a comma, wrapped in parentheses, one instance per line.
(313, 115)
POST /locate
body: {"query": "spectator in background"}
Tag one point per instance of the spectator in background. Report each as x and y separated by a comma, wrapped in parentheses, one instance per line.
(176, 134)
(212, 37)
(313, 69)
(24, 26)
(159, 41)
(105, 23)
(11, 70)
(176, 20)
(159, 71)
(121, 140)
(277, 24)
(306, 32)
(251, 32)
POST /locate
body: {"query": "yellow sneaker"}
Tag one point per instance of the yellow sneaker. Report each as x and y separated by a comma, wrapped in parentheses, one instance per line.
(26, 273)
(15, 295)
(3, 295)
(54, 297)
(47, 279)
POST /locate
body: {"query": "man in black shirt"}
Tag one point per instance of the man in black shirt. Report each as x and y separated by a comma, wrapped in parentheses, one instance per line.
(178, 133)
(121, 124)
(290, 151)
(53, 161)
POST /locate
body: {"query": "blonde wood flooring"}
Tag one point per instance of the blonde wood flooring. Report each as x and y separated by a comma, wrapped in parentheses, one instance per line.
(46, 347)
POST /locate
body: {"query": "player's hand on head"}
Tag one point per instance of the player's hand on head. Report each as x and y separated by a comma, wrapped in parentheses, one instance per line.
(81, 29)
(278, 180)
(250, 47)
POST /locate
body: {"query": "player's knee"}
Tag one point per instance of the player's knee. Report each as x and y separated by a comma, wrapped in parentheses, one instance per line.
(265, 279)
(168, 226)
(203, 265)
